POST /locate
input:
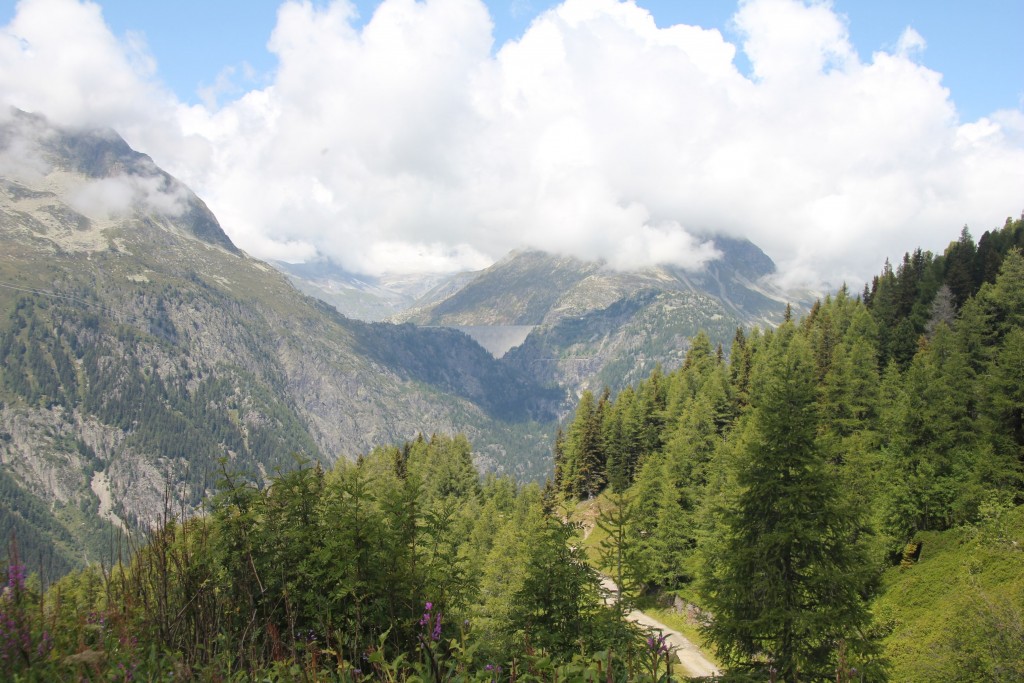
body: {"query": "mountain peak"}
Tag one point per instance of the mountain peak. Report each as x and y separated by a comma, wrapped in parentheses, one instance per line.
(531, 287)
(93, 172)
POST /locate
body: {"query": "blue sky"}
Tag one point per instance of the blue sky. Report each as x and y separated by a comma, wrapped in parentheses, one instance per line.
(437, 135)
(976, 46)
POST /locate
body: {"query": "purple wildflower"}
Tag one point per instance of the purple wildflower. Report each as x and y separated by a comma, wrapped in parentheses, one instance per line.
(657, 644)
(437, 628)
(44, 644)
(16, 577)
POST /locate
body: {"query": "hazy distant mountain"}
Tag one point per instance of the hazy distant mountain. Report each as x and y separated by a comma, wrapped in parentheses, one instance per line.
(542, 303)
(139, 347)
(594, 326)
(365, 297)
(533, 288)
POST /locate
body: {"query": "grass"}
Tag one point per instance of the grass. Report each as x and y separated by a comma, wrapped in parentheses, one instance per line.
(958, 613)
(586, 513)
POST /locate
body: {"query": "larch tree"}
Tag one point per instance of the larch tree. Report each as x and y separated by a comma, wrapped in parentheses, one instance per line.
(584, 475)
(787, 590)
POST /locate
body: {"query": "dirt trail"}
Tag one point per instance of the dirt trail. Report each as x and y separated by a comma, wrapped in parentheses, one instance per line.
(692, 659)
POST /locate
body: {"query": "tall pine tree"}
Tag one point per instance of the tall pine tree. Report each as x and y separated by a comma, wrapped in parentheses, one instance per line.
(787, 587)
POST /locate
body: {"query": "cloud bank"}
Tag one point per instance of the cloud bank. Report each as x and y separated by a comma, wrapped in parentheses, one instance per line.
(413, 143)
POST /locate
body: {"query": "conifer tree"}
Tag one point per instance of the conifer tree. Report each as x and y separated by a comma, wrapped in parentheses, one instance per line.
(613, 442)
(1004, 299)
(558, 598)
(739, 366)
(614, 551)
(959, 259)
(689, 450)
(632, 432)
(786, 592)
(943, 310)
(646, 418)
(1004, 393)
(584, 471)
(559, 458)
(932, 444)
(648, 494)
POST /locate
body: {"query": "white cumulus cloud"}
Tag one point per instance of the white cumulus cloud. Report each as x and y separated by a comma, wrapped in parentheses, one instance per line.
(414, 143)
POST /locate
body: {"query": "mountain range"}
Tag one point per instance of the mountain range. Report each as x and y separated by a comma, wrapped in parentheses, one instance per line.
(591, 326)
(145, 356)
(567, 322)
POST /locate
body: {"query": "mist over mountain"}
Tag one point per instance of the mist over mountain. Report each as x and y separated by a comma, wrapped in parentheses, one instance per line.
(372, 298)
(591, 325)
(143, 353)
(99, 177)
(531, 287)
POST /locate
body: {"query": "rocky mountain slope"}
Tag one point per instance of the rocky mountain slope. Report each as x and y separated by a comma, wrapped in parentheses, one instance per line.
(535, 288)
(594, 326)
(143, 355)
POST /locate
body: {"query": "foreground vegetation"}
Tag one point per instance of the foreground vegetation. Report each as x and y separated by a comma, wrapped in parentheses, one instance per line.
(400, 566)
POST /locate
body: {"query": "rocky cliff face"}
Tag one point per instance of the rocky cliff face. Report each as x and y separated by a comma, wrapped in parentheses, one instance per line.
(144, 355)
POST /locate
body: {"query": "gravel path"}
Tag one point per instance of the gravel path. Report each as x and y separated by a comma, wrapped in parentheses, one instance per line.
(692, 659)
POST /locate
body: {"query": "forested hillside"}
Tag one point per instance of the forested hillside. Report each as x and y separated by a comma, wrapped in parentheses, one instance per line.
(775, 487)
(822, 491)
(403, 565)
